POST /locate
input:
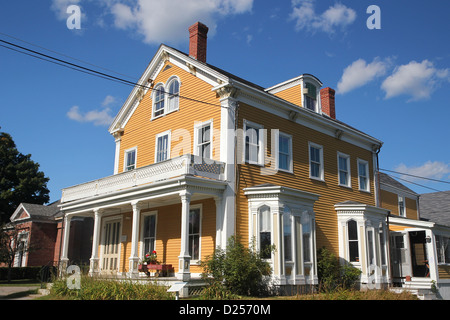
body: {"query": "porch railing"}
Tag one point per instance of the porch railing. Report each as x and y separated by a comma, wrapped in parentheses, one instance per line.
(179, 166)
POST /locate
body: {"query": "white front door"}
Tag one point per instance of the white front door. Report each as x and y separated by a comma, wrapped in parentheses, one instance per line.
(111, 245)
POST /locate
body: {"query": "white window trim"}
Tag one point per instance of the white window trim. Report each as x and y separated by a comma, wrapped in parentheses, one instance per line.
(194, 207)
(291, 165)
(197, 128)
(141, 240)
(172, 78)
(347, 158)
(318, 107)
(260, 128)
(403, 198)
(367, 175)
(169, 139)
(441, 237)
(258, 229)
(125, 165)
(317, 146)
(160, 84)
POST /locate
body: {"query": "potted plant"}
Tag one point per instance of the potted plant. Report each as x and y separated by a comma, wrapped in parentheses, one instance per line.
(151, 258)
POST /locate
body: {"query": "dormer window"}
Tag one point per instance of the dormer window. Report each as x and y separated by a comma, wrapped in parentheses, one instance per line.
(310, 97)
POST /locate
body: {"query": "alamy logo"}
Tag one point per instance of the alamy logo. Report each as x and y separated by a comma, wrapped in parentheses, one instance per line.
(74, 20)
(374, 21)
(74, 278)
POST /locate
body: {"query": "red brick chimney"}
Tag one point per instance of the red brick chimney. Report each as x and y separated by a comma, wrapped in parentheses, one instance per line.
(197, 41)
(328, 103)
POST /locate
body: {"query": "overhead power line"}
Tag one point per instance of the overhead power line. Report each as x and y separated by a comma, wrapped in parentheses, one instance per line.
(415, 176)
(76, 67)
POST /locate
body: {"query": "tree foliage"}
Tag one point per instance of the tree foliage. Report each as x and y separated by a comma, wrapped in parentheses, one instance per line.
(20, 179)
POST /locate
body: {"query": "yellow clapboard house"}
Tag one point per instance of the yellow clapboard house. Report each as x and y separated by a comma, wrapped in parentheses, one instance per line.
(202, 155)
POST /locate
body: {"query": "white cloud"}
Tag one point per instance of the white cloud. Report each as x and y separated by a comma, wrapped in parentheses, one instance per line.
(430, 169)
(360, 73)
(168, 20)
(337, 16)
(60, 7)
(415, 79)
(100, 117)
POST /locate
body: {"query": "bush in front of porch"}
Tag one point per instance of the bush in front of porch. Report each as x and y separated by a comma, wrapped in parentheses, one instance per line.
(92, 288)
(236, 271)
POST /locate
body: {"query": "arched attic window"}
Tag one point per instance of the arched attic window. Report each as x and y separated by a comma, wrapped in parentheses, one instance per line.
(158, 100)
(173, 95)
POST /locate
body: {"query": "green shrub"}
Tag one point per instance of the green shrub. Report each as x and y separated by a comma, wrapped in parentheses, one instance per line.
(332, 275)
(236, 271)
(92, 288)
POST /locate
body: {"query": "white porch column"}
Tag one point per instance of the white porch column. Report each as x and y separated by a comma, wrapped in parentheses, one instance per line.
(219, 223)
(227, 155)
(118, 138)
(65, 247)
(184, 258)
(134, 256)
(94, 261)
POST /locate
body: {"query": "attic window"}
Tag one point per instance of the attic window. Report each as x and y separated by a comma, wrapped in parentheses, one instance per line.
(166, 97)
(310, 96)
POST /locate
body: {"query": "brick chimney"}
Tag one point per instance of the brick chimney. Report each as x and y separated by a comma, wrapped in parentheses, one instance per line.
(327, 101)
(197, 41)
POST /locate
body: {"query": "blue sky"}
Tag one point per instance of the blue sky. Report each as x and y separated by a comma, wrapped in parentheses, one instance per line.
(391, 83)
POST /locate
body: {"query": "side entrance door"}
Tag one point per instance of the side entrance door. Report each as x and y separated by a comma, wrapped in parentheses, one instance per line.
(400, 255)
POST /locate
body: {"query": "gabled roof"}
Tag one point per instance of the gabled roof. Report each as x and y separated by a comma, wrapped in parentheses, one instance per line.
(29, 211)
(388, 181)
(219, 78)
(435, 207)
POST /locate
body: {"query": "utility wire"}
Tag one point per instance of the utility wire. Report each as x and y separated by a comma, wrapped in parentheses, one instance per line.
(64, 55)
(411, 175)
(77, 67)
(417, 184)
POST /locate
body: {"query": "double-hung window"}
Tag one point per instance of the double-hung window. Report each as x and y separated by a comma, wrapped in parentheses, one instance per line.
(130, 159)
(353, 246)
(401, 206)
(284, 152)
(344, 170)
(162, 146)
(203, 143)
(443, 249)
(159, 101)
(310, 98)
(149, 233)
(316, 161)
(363, 175)
(265, 232)
(173, 95)
(287, 234)
(194, 233)
(253, 143)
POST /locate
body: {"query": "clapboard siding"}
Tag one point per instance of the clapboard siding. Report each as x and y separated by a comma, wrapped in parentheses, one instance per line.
(329, 190)
(141, 129)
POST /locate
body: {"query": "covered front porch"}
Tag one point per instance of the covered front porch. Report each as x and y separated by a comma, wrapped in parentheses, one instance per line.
(175, 208)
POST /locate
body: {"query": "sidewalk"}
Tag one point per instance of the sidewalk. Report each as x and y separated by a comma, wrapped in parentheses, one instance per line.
(5, 291)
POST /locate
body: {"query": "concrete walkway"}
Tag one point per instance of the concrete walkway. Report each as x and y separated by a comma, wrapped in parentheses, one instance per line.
(5, 291)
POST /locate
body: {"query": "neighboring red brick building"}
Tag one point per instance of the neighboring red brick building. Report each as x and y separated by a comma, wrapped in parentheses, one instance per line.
(40, 230)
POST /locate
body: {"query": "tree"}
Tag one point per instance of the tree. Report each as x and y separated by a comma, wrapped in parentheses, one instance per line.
(11, 245)
(20, 179)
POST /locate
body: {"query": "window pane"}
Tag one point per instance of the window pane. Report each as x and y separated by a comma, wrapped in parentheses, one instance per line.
(194, 221)
(264, 233)
(287, 229)
(352, 230)
(353, 248)
(306, 247)
(162, 148)
(284, 153)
